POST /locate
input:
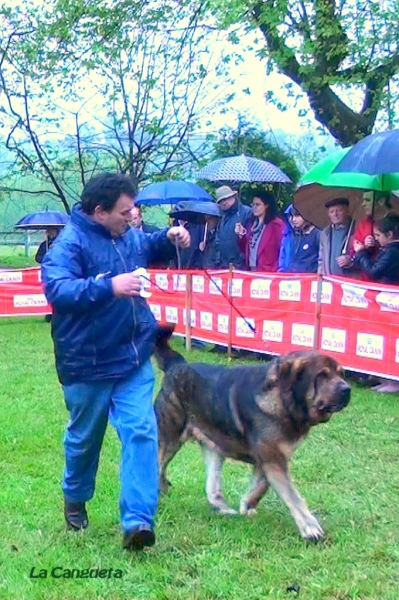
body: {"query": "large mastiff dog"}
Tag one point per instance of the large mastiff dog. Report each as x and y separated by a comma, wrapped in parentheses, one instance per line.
(255, 414)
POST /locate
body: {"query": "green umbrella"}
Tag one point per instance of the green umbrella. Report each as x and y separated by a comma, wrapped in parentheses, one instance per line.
(320, 185)
(322, 173)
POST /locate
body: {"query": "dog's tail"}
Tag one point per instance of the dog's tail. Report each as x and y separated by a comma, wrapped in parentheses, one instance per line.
(165, 356)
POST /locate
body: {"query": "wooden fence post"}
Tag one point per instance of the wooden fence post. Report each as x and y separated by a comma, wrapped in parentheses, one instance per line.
(230, 330)
(189, 288)
(317, 316)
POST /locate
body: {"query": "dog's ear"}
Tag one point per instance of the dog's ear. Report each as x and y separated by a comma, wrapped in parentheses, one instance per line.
(295, 379)
(163, 334)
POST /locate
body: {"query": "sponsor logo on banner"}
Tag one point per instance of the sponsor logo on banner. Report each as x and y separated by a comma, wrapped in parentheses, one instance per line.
(215, 285)
(290, 290)
(39, 275)
(179, 282)
(333, 340)
(236, 288)
(171, 314)
(353, 296)
(156, 311)
(388, 301)
(397, 351)
(272, 331)
(161, 280)
(260, 288)
(326, 292)
(206, 319)
(243, 329)
(10, 277)
(223, 323)
(199, 284)
(192, 317)
(302, 335)
(25, 300)
(370, 345)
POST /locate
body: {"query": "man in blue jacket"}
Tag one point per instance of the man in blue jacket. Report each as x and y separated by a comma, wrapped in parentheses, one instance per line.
(103, 338)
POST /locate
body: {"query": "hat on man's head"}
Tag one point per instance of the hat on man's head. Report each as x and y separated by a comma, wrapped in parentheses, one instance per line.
(224, 192)
(337, 202)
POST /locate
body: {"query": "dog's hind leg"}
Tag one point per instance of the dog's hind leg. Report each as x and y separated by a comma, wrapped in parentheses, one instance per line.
(260, 485)
(214, 464)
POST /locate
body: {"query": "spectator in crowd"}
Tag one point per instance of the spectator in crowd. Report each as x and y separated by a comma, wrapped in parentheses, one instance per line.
(284, 259)
(51, 236)
(334, 254)
(305, 239)
(261, 239)
(103, 333)
(376, 205)
(191, 257)
(384, 267)
(227, 242)
(138, 223)
(208, 246)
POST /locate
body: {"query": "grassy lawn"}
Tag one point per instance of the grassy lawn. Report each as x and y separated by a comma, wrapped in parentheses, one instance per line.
(347, 470)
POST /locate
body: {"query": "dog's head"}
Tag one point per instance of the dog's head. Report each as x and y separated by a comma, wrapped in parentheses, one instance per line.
(311, 386)
(165, 356)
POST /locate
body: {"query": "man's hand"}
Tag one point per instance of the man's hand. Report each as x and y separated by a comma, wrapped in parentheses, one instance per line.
(344, 261)
(357, 246)
(179, 235)
(369, 241)
(126, 285)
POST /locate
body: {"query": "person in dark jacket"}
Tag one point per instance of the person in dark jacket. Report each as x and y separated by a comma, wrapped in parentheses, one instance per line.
(138, 223)
(305, 240)
(208, 246)
(103, 333)
(228, 247)
(44, 247)
(284, 258)
(384, 268)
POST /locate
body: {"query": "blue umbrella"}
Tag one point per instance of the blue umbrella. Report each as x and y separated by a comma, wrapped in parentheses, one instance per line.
(169, 192)
(376, 154)
(43, 220)
(243, 169)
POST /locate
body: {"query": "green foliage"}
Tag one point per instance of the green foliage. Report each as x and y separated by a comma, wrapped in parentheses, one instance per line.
(248, 139)
(343, 56)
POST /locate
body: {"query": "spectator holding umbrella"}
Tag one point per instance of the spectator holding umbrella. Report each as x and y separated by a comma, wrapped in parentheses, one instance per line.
(234, 213)
(261, 239)
(51, 236)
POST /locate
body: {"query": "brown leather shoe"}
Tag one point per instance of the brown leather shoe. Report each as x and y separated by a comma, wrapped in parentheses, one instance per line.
(75, 515)
(138, 538)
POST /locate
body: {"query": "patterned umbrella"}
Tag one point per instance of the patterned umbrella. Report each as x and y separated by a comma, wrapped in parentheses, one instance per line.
(43, 220)
(242, 169)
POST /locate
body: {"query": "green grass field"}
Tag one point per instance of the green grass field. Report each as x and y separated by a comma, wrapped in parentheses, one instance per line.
(347, 470)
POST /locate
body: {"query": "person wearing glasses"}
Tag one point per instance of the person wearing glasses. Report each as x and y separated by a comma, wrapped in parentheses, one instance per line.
(261, 239)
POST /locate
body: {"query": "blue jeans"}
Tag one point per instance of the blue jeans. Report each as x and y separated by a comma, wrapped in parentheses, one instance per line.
(128, 405)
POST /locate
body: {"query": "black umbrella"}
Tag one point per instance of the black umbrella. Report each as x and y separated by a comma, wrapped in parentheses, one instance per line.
(195, 212)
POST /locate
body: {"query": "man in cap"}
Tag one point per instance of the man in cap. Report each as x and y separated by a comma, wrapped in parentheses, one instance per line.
(227, 241)
(334, 256)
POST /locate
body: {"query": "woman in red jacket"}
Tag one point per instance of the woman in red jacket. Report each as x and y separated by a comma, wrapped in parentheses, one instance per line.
(261, 241)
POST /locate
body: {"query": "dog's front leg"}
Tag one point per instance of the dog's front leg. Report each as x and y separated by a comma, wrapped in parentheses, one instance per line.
(260, 485)
(214, 464)
(279, 479)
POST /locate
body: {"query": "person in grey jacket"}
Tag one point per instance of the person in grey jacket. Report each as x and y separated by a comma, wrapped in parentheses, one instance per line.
(334, 256)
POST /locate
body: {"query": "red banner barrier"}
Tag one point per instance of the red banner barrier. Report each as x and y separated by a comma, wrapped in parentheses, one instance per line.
(270, 313)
